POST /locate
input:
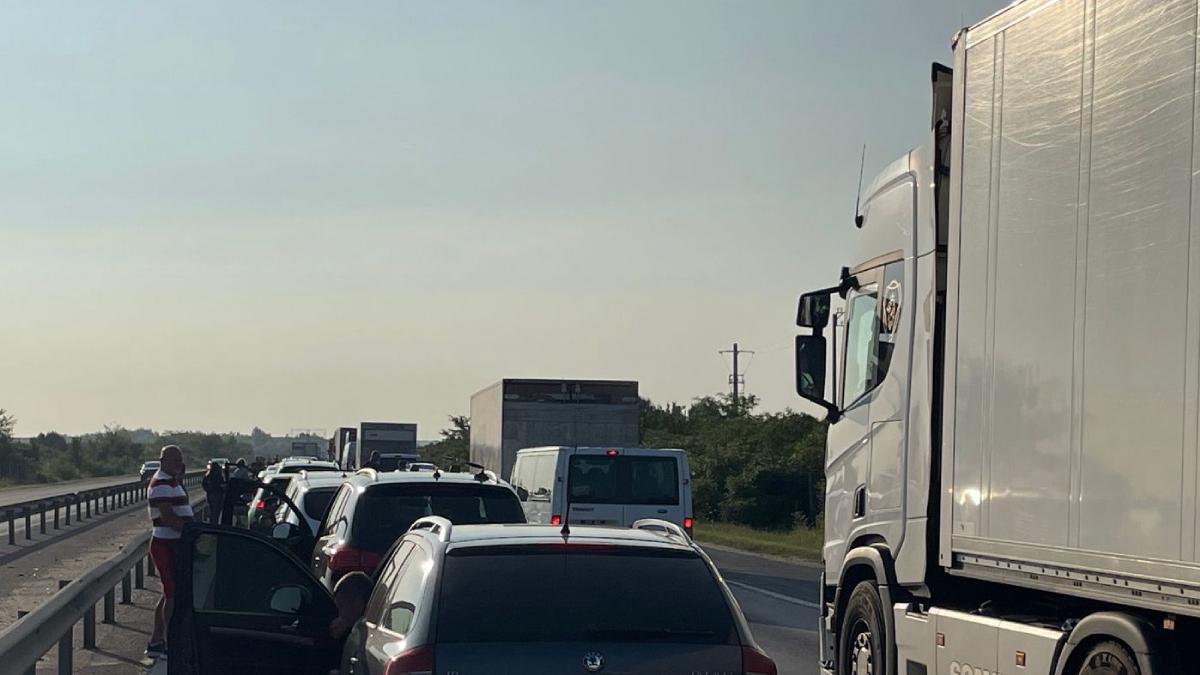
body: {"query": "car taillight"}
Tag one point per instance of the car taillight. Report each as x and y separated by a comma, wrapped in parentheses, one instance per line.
(687, 525)
(346, 559)
(260, 504)
(416, 661)
(556, 520)
(755, 662)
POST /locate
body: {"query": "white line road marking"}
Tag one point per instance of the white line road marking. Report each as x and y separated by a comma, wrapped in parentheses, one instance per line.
(773, 594)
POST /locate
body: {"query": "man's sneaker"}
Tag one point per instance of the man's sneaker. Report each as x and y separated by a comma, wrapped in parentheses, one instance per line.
(156, 649)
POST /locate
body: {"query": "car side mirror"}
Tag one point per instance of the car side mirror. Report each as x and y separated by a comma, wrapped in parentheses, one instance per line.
(810, 372)
(287, 599)
(813, 310)
(541, 494)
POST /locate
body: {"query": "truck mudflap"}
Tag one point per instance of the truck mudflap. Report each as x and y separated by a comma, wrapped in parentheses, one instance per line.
(825, 642)
(949, 642)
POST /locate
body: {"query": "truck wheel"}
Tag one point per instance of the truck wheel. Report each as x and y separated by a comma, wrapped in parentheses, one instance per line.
(862, 638)
(1109, 658)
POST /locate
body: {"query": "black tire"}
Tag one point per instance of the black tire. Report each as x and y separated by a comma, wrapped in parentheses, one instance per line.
(1108, 658)
(862, 634)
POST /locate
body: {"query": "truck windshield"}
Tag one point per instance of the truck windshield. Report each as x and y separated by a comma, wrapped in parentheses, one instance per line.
(624, 479)
(581, 593)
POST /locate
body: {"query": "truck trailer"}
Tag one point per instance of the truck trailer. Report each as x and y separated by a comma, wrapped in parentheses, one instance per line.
(396, 442)
(1011, 462)
(514, 414)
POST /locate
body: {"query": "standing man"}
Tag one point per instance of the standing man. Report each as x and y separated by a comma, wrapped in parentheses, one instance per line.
(214, 488)
(170, 509)
(374, 462)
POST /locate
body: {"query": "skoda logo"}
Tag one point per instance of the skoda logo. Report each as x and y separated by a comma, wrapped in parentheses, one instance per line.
(593, 662)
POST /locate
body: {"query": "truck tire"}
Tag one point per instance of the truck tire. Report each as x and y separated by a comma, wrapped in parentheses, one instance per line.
(1109, 658)
(862, 640)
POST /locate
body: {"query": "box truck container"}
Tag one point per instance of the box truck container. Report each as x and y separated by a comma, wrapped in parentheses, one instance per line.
(1012, 445)
(396, 442)
(514, 414)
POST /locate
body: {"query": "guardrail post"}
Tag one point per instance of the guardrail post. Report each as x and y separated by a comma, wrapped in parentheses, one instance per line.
(28, 523)
(42, 517)
(78, 507)
(126, 591)
(55, 503)
(12, 528)
(66, 650)
(110, 613)
(89, 628)
(138, 581)
(32, 669)
(67, 510)
(87, 506)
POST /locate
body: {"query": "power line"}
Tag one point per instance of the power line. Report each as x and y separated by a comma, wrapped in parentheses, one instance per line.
(737, 379)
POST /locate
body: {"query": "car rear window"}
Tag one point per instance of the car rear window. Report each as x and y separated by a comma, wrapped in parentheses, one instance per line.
(316, 502)
(624, 479)
(581, 593)
(297, 468)
(385, 512)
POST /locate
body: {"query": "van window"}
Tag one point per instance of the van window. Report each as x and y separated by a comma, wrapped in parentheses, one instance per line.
(624, 479)
(544, 469)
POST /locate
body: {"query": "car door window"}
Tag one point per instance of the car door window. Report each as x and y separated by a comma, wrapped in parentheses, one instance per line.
(379, 597)
(336, 511)
(405, 593)
(236, 572)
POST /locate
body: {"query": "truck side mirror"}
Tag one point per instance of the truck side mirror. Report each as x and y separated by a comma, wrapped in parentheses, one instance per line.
(813, 311)
(810, 372)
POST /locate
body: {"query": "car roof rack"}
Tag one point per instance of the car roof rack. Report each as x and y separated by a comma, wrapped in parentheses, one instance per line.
(663, 527)
(373, 474)
(435, 524)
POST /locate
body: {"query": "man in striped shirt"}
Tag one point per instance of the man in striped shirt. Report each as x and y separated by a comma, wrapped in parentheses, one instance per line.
(170, 508)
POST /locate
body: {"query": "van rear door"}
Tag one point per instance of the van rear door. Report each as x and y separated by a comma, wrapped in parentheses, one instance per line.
(658, 486)
(596, 486)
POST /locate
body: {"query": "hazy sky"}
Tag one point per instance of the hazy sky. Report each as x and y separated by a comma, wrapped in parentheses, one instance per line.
(306, 214)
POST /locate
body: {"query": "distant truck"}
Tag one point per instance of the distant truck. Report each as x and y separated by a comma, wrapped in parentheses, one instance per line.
(396, 442)
(514, 414)
(1012, 450)
(339, 441)
(306, 449)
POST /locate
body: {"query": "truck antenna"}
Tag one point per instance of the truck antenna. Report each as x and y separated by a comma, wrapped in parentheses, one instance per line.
(858, 219)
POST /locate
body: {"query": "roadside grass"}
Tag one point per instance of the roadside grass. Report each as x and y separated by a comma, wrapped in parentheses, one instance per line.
(802, 542)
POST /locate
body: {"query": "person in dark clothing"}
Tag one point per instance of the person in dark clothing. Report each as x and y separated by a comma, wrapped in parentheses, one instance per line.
(375, 461)
(214, 487)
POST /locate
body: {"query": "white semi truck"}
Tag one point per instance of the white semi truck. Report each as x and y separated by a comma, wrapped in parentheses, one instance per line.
(1012, 465)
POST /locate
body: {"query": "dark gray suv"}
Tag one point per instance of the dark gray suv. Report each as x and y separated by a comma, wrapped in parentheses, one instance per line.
(475, 599)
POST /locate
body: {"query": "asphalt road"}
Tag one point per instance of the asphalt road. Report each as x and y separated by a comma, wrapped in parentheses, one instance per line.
(25, 493)
(779, 600)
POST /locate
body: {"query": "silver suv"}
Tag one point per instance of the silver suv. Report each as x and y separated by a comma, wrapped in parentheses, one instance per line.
(529, 599)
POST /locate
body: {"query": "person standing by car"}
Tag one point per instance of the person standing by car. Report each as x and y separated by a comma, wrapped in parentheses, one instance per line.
(239, 486)
(214, 489)
(170, 509)
(375, 461)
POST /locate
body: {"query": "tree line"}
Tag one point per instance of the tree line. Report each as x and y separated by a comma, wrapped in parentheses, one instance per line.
(53, 457)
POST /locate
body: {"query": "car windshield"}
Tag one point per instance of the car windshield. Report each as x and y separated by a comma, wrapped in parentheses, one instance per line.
(385, 512)
(581, 593)
(624, 479)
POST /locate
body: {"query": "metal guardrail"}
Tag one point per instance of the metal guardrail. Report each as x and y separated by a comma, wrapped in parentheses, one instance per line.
(35, 633)
(87, 503)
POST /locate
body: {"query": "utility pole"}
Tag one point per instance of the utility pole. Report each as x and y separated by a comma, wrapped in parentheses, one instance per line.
(736, 378)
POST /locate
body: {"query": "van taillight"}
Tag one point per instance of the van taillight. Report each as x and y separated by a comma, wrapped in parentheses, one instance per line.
(754, 662)
(687, 525)
(556, 520)
(416, 661)
(345, 559)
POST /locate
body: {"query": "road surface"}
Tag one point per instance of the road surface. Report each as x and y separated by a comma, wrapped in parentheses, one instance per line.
(780, 602)
(27, 493)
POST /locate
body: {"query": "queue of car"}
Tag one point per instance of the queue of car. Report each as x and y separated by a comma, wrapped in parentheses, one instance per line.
(470, 576)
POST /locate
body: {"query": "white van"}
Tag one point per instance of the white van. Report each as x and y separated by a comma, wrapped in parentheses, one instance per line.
(609, 486)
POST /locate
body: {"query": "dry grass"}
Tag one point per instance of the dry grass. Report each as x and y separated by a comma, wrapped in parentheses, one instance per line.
(804, 543)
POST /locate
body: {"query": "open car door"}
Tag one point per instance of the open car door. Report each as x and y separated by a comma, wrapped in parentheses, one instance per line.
(244, 604)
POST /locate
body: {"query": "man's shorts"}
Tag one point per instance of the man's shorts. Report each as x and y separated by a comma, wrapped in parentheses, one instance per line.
(161, 553)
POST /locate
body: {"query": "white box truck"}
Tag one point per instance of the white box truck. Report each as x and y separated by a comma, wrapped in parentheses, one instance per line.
(527, 413)
(1012, 459)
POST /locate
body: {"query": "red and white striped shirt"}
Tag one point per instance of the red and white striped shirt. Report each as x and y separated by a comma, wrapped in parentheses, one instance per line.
(165, 490)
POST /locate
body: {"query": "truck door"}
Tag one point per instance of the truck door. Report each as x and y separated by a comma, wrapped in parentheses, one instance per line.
(848, 442)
